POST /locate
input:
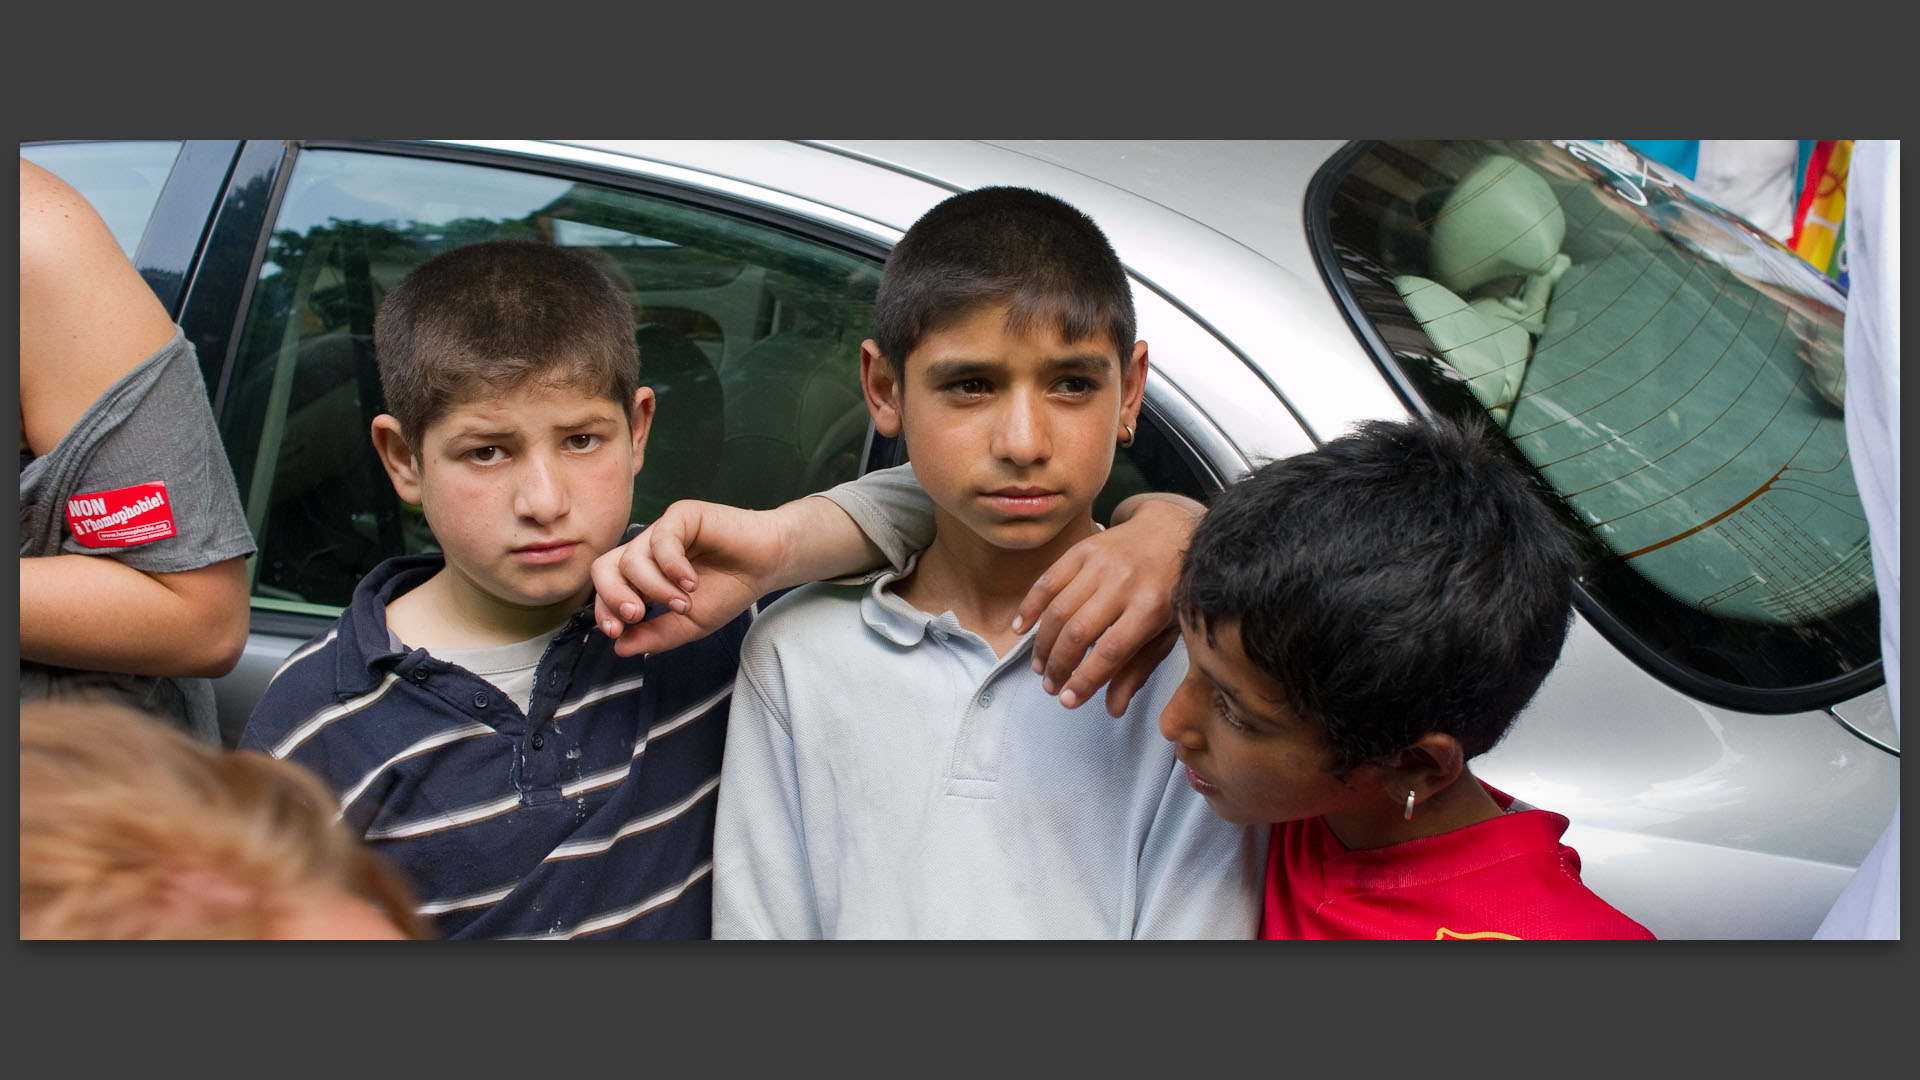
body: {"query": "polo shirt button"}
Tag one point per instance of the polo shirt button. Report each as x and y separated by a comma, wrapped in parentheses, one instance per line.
(420, 674)
(479, 701)
(539, 741)
(986, 697)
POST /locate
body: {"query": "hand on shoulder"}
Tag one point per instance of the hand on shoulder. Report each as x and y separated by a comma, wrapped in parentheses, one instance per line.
(1105, 609)
(705, 563)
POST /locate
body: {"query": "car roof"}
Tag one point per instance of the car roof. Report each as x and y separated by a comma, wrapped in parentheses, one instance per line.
(1246, 190)
(1216, 227)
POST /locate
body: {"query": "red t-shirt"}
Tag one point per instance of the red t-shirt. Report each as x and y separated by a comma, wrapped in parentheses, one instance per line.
(1509, 877)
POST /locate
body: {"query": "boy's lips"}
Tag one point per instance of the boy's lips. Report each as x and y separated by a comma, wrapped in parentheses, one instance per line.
(1019, 501)
(1199, 782)
(544, 553)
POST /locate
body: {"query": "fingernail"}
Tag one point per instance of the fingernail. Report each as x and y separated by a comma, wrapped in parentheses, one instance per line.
(688, 584)
(678, 605)
(1038, 667)
(1067, 699)
(1047, 685)
(1017, 623)
(630, 612)
(610, 628)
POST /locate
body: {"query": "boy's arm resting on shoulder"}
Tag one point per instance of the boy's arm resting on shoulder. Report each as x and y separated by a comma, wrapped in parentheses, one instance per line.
(708, 562)
(894, 516)
(762, 884)
(1105, 609)
(94, 613)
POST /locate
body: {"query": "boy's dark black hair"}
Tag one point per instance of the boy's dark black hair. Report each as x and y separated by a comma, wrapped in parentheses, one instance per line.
(494, 316)
(1031, 251)
(1403, 579)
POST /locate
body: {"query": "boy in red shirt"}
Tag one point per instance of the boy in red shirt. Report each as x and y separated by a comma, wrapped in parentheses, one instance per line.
(1360, 621)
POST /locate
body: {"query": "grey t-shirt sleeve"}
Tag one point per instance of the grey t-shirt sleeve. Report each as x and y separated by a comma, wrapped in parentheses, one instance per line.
(891, 508)
(153, 425)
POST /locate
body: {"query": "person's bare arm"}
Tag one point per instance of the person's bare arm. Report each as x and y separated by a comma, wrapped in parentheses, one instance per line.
(87, 318)
(707, 562)
(86, 315)
(97, 614)
(1105, 609)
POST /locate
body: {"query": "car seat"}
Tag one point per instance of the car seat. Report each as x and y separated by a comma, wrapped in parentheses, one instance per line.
(331, 514)
(1497, 234)
(684, 446)
(796, 420)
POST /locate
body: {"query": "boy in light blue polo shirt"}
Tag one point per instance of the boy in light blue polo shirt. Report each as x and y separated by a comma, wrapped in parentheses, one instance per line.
(893, 767)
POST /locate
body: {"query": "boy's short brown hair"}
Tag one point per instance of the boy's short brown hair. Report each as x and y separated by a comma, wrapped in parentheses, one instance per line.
(497, 315)
(129, 828)
(1031, 251)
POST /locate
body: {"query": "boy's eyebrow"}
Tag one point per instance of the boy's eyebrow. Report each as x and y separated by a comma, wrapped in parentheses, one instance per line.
(1256, 708)
(592, 420)
(962, 368)
(1090, 363)
(477, 430)
(941, 370)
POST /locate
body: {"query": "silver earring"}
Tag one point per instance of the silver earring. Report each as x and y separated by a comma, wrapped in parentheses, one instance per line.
(1128, 441)
(1409, 815)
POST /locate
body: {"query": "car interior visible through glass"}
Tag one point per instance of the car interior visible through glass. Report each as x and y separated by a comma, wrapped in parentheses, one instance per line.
(1673, 374)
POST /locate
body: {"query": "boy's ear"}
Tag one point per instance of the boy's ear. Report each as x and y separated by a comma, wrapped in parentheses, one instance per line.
(882, 389)
(1133, 387)
(640, 423)
(1428, 764)
(401, 463)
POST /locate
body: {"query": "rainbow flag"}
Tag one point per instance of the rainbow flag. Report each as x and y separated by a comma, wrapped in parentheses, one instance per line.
(1819, 221)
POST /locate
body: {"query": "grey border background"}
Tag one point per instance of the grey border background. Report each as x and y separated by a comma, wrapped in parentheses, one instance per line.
(1000, 70)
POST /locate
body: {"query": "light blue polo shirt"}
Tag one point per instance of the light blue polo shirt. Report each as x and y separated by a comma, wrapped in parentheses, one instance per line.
(887, 776)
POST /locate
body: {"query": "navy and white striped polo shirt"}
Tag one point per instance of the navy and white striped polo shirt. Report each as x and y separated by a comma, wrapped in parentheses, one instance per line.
(591, 815)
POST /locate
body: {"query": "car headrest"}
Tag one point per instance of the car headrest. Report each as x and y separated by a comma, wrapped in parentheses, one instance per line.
(1500, 220)
(690, 402)
(1482, 345)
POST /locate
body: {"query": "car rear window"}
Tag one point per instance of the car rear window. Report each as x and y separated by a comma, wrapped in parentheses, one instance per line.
(1672, 374)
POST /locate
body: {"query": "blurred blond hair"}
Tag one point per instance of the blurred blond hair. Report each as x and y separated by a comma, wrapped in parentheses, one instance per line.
(129, 828)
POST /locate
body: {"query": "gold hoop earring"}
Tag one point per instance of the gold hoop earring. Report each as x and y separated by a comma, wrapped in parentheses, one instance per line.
(1128, 441)
(1409, 815)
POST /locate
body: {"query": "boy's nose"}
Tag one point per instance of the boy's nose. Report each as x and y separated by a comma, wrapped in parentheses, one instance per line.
(1176, 720)
(1022, 436)
(540, 495)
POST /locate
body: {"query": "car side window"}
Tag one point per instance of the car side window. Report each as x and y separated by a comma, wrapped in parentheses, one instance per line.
(1673, 375)
(749, 335)
(122, 180)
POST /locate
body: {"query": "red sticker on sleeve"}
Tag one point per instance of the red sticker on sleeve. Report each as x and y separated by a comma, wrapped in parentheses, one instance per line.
(123, 517)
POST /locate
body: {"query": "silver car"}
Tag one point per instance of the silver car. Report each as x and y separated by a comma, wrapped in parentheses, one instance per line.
(1717, 729)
